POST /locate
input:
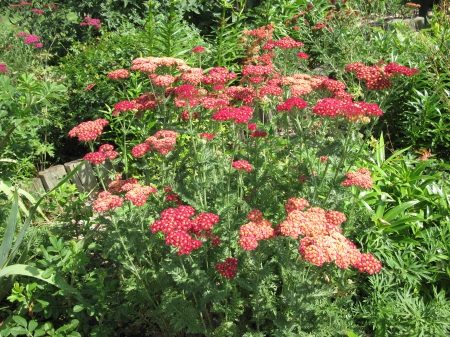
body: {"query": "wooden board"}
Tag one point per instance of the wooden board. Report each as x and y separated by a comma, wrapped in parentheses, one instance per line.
(51, 176)
(84, 178)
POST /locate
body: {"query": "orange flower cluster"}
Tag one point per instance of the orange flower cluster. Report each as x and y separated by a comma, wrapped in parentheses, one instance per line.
(322, 239)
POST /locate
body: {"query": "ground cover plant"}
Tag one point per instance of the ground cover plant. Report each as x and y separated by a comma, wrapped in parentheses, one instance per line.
(250, 182)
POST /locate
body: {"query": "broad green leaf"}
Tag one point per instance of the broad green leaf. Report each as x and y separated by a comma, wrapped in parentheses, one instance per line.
(9, 232)
(397, 210)
(20, 321)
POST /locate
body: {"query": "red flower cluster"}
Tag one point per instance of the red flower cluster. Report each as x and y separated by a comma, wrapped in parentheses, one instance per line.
(123, 106)
(90, 130)
(140, 149)
(177, 225)
(207, 136)
(334, 107)
(198, 49)
(119, 73)
(361, 178)
(145, 102)
(242, 165)
(368, 263)
(257, 229)
(228, 268)
(290, 103)
(287, 43)
(105, 201)
(303, 56)
(240, 115)
(218, 75)
(106, 151)
(377, 77)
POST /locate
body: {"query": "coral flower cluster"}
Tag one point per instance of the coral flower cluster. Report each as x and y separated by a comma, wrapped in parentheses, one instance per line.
(89, 130)
(377, 77)
(228, 268)
(361, 178)
(180, 225)
(88, 21)
(162, 141)
(322, 240)
(257, 229)
(134, 192)
(118, 74)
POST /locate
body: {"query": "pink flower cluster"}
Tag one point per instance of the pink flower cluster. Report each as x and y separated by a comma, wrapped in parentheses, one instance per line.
(88, 21)
(179, 225)
(3, 68)
(30, 39)
(118, 74)
(228, 268)
(377, 77)
(322, 240)
(242, 165)
(88, 131)
(361, 178)
(37, 11)
(106, 151)
(257, 229)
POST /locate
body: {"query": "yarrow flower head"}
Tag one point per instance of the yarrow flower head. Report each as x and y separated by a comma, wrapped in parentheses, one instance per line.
(119, 74)
(88, 21)
(38, 45)
(228, 268)
(242, 165)
(3, 68)
(22, 34)
(257, 229)
(361, 178)
(179, 226)
(162, 141)
(207, 136)
(88, 131)
(30, 39)
(105, 201)
(123, 106)
(290, 103)
(198, 49)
